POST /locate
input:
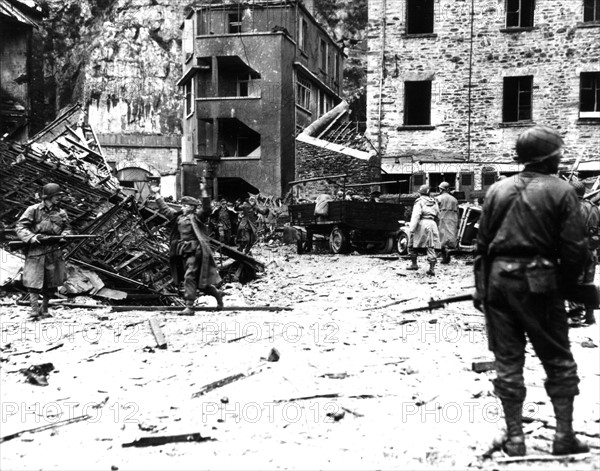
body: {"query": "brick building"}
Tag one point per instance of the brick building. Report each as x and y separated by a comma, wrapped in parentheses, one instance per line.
(451, 84)
(254, 75)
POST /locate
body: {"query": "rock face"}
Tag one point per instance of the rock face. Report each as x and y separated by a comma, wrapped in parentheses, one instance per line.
(121, 58)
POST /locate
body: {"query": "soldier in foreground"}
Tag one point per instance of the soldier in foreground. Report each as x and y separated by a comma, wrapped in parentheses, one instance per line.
(424, 230)
(591, 217)
(531, 241)
(448, 226)
(44, 269)
(190, 255)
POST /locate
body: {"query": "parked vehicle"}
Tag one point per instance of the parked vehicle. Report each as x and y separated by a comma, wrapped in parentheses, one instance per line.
(468, 223)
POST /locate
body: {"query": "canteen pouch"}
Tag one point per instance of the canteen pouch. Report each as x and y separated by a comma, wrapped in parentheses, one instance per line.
(541, 276)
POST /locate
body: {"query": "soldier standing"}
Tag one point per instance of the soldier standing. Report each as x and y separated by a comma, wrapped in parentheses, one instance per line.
(531, 240)
(424, 230)
(190, 254)
(448, 227)
(247, 228)
(44, 269)
(591, 217)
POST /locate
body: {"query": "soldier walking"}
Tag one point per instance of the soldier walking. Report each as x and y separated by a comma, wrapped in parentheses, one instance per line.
(448, 226)
(424, 230)
(247, 227)
(190, 255)
(44, 268)
(531, 240)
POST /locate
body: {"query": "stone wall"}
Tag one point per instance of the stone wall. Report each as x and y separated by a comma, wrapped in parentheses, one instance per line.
(314, 161)
(555, 52)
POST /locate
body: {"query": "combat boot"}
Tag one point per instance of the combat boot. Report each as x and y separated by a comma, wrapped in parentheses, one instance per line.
(565, 441)
(590, 319)
(188, 311)
(413, 266)
(217, 294)
(514, 444)
(34, 300)
(44, 309)
(431, 271)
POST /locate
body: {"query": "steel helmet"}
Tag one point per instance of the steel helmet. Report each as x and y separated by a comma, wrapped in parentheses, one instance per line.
(537, 144)
(51, 189)
(424, 189)
(579, 188)
(444, 186)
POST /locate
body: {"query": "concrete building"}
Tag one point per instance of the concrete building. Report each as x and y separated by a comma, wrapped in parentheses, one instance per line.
(451, 84)
(255, 74)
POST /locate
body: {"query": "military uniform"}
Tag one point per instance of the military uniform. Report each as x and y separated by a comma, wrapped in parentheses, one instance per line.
(448, 225)
(531, 215)
(424, 229)
(190, 256)
(247, 227)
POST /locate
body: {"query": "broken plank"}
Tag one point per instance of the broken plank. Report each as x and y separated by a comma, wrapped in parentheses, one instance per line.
(524, 459)
(45, 427)
(163, 440)
(161, 341)
(399, 301)
(481, 366)
(199, 308)
(228, 380)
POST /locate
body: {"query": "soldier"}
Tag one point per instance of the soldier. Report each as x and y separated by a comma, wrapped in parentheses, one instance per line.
(44, 269)
(591, 217)
(531, 240)
(424, 230)
(448, 227)
(247, 228)
(190, 254)
(224, 218)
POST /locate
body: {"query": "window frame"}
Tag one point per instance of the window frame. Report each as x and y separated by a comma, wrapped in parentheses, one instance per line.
(303, 34)
(521, 93)
(303, 92)
(519, 14)
(594, 6)
(323, 55)
(234, 24)
(594, 95)
(189, 102)
(409, 113)
(412, 23)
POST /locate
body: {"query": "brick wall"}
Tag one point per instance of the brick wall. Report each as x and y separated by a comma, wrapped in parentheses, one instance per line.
(314, 161)
(555, 52)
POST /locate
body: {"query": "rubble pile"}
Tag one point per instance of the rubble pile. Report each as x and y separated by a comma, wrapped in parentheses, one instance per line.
(130, 253)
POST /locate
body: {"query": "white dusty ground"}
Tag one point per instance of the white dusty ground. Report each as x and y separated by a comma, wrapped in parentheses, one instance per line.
(407, 392)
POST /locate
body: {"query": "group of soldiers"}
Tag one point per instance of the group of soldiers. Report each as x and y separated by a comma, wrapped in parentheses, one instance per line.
(536, 243)
(433, 226)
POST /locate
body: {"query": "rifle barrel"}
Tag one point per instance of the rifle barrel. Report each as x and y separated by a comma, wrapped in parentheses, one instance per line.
(440, 303)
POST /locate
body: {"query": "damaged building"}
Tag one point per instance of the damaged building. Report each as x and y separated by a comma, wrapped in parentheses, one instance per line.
(452, 85)
(254, 76)
(21, 77)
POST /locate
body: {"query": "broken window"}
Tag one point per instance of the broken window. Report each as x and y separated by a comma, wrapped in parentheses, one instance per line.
(417, 103)
(303, 34)
(237, 140)
(203, 21)
(591, 10)
(589, 95)
(303, 93)
(517, 94)
(236, 78)
(519, 13)
(419, 16)
(189, 97)
(323, 52)
(235, 23)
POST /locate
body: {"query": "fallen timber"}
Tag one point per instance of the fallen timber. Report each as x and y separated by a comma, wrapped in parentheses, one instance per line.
(130, 246)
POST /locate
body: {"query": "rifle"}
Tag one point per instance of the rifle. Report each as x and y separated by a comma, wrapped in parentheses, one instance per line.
(440, 303)
(49, 240)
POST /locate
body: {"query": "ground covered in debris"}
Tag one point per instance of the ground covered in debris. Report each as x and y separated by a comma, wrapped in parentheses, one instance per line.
(356, 386)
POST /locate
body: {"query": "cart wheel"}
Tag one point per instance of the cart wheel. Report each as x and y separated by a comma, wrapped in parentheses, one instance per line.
(338, 240)
(402, 244)
(386, 246)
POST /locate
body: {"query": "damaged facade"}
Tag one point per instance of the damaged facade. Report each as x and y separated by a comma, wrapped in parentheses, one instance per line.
(449, 90)
(21, 77)
(254, 75)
